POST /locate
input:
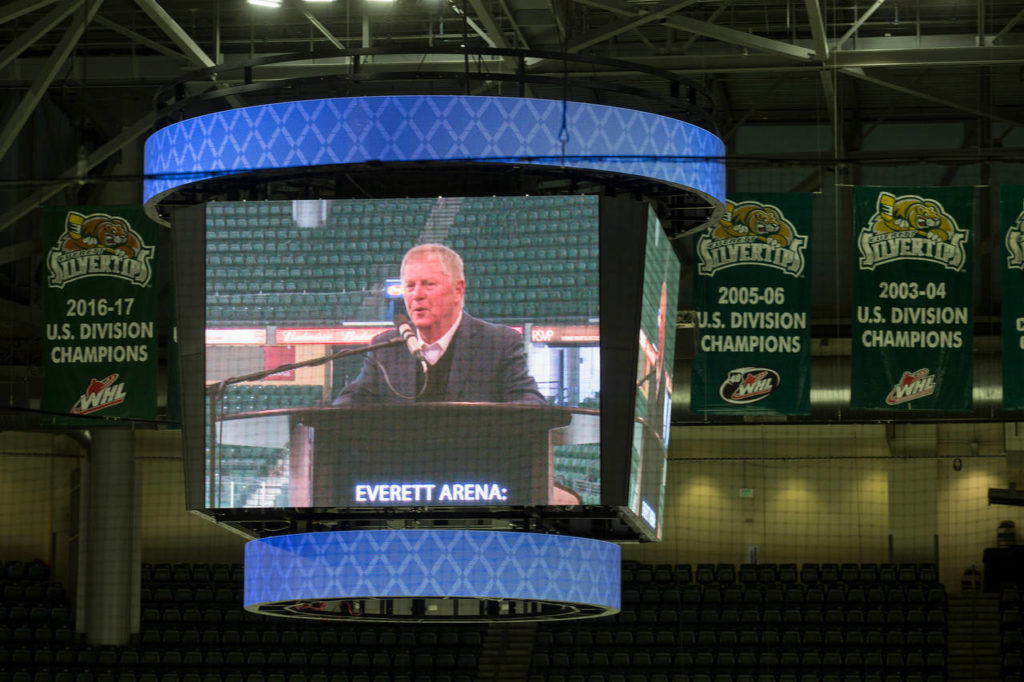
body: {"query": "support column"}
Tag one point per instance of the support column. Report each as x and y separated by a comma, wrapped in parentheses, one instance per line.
(112, 570)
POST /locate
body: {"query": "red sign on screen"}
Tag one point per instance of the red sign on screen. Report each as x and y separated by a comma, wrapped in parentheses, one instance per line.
(275, 356)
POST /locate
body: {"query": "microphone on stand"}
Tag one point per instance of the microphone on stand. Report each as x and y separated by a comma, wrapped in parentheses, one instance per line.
(412, 342)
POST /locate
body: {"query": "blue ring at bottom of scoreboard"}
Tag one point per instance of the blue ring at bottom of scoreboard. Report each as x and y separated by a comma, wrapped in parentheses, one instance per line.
(432, 575)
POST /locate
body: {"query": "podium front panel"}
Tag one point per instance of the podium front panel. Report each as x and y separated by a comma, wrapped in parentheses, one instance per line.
(432, 454)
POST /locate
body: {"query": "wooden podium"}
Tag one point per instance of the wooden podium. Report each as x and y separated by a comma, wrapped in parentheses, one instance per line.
(438, 454)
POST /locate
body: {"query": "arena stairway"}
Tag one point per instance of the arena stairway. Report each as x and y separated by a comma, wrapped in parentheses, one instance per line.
(973, 637)
(506, 652)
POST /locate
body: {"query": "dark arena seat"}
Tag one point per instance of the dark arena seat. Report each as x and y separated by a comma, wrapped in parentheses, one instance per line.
(745, 629)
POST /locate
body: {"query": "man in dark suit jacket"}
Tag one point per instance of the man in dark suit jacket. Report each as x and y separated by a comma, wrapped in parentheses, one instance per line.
(468, 360)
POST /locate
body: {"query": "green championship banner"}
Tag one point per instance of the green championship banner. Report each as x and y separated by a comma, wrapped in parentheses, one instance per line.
(913, 323)
(100, 313)
(1012, 219)
(752, 296)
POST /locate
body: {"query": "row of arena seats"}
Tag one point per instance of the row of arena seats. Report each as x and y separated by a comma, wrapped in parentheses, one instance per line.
(365, 280)
(791, 661)
(498, 251)
(47, 675)
(219, 572)
(784, 595)
(235, 257)
(669, 640)
(365, 224)
(739, 677)
(582, 297)
(235, 634)
(252, 397)
(347, 294)
(369, 273)
(551, 239)
(769, 621)
(33, 592)
(235, 308)
(786, 573)
(572, 201)
(255, 209)
(230, 660)
(227, 246)
(16, 569)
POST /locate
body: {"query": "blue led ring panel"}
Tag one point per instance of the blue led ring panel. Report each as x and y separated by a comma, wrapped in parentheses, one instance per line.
(423, 575)
(408, 128)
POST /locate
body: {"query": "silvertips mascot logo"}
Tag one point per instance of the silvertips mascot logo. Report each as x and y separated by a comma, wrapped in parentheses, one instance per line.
(910, 227)
(752, 233)
(98, 245)
(1015, 244)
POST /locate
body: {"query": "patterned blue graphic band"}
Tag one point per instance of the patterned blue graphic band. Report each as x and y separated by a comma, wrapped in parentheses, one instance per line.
(508, 130)
(460, 575)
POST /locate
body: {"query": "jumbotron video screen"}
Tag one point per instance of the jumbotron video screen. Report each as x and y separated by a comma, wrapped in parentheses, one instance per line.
(422, 353)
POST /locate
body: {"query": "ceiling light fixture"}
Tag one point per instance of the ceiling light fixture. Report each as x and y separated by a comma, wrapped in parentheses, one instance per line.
(265, 3)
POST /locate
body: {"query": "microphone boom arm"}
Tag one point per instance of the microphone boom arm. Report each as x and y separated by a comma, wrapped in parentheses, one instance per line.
(256, 376)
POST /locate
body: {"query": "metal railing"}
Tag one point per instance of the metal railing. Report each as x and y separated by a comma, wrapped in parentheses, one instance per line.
(329, 72)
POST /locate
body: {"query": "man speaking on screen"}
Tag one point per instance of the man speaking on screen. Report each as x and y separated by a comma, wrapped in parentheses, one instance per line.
(451, 356)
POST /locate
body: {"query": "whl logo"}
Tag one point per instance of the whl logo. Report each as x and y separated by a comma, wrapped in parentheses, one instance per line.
(101, 394)
(748, 385)
(911, 386)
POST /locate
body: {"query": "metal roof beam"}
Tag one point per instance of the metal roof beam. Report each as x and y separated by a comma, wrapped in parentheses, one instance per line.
(828, 87)
(52, 65)
(175, 32)
(754, 63)
(998, 38)
(323, 29)
(514, 25)
(857, 24)
(490, 24)
(734, 37)
(101, 154)
(473, 25)
(138, 38)
(639, 19)
(712, 19)
(37, 31)
(181, 38)
(15, 252)
(726, 35)
(931, 56)
(817, 29)
(859, 73)
(17, 8)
